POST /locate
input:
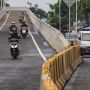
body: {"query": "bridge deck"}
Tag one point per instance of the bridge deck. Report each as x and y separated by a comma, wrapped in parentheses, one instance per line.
(23, 73)
(81, 78)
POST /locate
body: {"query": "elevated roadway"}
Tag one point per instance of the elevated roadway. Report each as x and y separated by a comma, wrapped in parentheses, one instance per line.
(24, 72)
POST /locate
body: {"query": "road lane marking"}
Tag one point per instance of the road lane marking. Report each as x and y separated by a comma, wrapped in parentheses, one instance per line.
(4, 22)
(39, 50)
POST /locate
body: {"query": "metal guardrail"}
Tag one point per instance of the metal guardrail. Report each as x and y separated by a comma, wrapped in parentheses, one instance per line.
(52, 35)
(58, 69)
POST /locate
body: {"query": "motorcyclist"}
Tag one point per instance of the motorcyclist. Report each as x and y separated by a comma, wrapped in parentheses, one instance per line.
(14, 37)
(21, 16)
(13, 27)
(13, 34)
(24, 24)
(22, 13)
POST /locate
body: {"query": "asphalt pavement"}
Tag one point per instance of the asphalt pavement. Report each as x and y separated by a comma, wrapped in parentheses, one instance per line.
(23, 73)
(80, 80)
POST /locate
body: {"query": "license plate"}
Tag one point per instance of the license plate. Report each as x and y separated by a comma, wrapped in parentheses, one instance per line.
(24, 31)
(87, 50)
(13, 49)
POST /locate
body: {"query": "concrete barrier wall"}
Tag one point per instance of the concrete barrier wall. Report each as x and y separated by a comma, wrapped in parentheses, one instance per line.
(58, 69)
(52, 35)
(2, 13)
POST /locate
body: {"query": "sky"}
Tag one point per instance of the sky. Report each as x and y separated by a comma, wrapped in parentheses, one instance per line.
(43, 4)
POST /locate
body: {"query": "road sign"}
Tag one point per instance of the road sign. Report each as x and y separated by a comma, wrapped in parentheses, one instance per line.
(69, 2)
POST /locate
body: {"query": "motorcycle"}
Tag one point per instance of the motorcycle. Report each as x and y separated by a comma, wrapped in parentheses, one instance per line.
(14, 48)
(21, 19)
(14, 29)
(24, 32)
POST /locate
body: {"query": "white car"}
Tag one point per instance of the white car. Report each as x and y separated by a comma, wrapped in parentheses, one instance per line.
(84, 42)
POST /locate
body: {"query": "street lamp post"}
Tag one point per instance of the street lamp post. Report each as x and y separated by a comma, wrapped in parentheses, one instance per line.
(69, 4)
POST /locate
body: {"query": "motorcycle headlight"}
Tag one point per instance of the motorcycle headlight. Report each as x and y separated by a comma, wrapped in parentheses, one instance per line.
(24, 31)
(15, 46)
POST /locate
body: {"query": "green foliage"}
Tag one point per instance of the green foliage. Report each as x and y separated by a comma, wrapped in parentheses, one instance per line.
(54, 21)
(83, 13)
(54, 15)
(38, 12)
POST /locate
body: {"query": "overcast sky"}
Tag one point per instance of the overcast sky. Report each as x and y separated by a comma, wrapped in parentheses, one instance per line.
(42, 3)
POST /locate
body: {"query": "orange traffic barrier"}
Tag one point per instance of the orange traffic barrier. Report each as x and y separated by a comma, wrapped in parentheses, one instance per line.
(58, 69)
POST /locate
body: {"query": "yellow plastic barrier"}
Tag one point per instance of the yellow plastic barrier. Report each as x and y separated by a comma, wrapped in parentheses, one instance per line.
(58, 69)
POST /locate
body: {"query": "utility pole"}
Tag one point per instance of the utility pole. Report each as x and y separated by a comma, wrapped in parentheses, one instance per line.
(69, 20)
(1, 4)
(4, 3)
(76, 17)
(59, 14)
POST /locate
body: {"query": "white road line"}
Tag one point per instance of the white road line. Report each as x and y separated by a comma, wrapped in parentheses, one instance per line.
(4, 22)
(39, 50)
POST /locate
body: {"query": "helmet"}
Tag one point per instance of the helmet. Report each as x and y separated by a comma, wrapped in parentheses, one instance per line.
(13, 23)
(22, 12)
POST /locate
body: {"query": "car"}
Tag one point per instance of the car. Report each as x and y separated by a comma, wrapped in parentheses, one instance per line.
(84, 42)
(86, 28)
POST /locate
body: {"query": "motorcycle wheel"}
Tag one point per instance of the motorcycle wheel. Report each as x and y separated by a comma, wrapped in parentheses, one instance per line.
(14, 55)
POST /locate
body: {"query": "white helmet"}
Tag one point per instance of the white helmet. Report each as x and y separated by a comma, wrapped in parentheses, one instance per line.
(13, 23)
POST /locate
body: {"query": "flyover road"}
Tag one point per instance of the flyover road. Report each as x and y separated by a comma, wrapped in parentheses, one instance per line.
(24, 73)
(80, 80)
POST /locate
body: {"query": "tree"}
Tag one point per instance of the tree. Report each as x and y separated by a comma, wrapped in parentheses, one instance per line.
(29, 4)
(7, 5)
(54, 15)
(83, 13)
(38, 12)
